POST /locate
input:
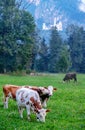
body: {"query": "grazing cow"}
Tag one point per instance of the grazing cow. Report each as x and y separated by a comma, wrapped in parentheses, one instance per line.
(70, 76)
(44, 92)
(29, 99)
(10, 92)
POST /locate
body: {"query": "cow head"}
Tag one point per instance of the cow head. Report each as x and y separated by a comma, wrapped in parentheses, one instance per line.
(64, 79)
(41, 114)
(50, 89)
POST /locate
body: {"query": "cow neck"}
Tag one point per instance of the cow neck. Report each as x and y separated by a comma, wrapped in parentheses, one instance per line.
(36, 104)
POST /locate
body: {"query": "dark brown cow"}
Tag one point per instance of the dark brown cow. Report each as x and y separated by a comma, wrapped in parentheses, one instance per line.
(70, 76)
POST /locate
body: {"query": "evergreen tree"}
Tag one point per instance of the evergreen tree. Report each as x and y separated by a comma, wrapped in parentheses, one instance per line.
(35, 52)
(82, 65)
(76, 42)
(16, 27)
(54, 50)
(64, 62)
(42, 61)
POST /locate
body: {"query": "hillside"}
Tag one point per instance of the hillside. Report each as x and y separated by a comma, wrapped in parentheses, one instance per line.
(60, 13)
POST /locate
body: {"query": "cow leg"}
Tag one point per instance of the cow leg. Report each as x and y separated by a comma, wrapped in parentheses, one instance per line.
(28, 111)
(68, 81)
(20, 111)
(44, 103)
(75, 79)
(6, 102)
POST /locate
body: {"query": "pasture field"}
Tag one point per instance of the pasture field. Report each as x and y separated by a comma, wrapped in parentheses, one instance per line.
(67, 105)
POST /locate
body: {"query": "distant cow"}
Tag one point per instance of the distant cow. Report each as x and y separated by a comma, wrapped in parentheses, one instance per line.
(70, 76)
(29, 99)
(10, 92)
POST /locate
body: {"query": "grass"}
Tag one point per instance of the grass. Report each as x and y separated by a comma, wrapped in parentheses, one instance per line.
(67, 104)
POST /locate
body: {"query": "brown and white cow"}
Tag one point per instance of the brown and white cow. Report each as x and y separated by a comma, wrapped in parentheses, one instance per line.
(10, 92)
(70, 76)
(29, 99)
(44, 92)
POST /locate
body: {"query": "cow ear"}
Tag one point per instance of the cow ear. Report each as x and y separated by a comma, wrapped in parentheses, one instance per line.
(47, 110)
(54, 89)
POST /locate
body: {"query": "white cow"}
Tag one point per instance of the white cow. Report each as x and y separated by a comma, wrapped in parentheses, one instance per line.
(29, 99)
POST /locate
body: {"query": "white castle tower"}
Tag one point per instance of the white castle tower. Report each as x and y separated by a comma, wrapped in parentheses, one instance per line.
(54, 21)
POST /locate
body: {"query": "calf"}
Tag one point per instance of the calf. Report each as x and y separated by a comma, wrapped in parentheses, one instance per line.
(29, 99)
(70, 76)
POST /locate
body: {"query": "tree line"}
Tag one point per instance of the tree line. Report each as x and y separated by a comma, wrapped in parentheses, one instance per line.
(22, 48)
(63, 55)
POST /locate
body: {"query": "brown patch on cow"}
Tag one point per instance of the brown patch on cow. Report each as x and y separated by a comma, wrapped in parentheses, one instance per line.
(10, 89)
(32, 99)
(35, 89)
(36, 104)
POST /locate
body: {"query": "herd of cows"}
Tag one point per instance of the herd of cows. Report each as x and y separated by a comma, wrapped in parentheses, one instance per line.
(32, 98)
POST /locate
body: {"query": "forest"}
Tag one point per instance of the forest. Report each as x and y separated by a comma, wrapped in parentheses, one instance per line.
(23, 49)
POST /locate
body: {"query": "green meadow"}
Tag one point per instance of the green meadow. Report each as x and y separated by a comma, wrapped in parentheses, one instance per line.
(67, 105)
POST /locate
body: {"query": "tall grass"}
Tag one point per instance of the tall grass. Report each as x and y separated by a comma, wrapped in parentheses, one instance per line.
(67, 104)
